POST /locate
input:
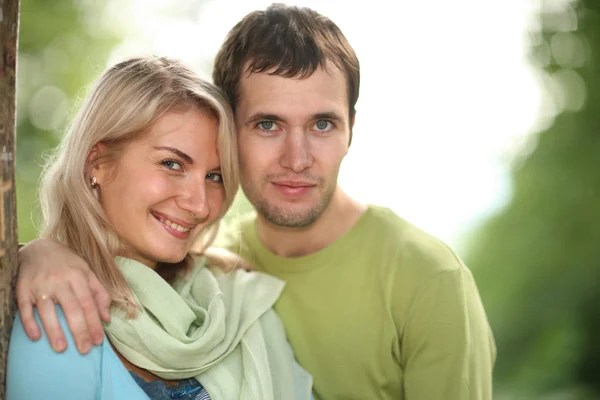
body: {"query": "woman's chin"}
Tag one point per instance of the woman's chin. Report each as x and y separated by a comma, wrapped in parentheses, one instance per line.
(172, 258)
(168, 255)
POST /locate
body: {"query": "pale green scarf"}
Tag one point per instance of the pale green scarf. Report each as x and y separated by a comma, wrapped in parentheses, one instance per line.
(217, 327)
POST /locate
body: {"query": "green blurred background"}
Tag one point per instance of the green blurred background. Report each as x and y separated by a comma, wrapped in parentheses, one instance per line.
(536, 260)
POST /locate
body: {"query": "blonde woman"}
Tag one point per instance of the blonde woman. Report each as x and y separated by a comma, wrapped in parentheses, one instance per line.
(146, 171)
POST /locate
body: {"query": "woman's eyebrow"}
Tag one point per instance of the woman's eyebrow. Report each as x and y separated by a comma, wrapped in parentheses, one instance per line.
(178, 152)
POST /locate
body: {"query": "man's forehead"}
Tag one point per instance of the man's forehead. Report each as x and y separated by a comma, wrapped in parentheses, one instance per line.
(296, 73)
(322, 84)
(291, 105)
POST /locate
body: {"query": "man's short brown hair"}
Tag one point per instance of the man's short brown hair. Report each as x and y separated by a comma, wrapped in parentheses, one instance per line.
(287, 41)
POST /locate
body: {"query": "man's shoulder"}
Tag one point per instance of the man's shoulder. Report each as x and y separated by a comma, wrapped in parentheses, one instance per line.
(417, 254)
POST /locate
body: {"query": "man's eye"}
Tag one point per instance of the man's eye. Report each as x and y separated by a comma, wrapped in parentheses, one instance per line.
(323, 125)
(267, 125)
(212, 176)
(172, 165)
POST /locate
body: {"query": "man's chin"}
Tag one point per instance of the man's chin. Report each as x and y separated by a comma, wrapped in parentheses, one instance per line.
(289, 217)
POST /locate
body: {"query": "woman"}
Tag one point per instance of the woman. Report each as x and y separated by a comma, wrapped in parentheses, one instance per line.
(146, 171)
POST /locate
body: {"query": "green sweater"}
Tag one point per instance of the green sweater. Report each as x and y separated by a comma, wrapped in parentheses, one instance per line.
(385, 312)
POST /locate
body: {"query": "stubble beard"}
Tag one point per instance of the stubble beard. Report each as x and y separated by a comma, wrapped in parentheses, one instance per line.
(286, 216)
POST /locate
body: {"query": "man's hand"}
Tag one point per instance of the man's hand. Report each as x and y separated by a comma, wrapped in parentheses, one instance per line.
(49, 274)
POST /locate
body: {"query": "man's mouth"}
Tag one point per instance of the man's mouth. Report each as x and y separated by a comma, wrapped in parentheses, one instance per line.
(294, 184)
(293, 189)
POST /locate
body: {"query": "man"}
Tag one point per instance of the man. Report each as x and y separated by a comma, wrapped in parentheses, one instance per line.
(374, 307)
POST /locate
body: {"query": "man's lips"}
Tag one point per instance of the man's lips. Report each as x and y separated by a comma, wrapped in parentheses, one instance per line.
(294, 184)
(293, 189)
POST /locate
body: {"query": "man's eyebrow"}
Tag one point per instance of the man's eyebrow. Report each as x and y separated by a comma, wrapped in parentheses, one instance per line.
(263, 117)
(180, 153)
(276, 118)
(327, 115)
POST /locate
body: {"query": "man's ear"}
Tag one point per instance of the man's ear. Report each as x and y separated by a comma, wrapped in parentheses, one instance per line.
(351, 132)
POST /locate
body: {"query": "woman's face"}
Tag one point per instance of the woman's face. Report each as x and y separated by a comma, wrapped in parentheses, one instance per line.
(164, 188)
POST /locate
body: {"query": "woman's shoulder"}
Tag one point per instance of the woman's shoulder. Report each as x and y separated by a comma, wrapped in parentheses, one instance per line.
(34, 368)
(40, 350)
(36, 371)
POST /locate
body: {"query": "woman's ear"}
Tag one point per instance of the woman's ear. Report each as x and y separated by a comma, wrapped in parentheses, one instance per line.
(93, 167)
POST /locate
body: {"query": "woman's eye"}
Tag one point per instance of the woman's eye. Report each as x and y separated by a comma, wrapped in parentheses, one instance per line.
(267, 125)
(323, 125)
(172, 165)
(218, 178)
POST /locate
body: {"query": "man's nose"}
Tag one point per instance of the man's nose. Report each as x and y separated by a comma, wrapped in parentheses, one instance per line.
(297, 155)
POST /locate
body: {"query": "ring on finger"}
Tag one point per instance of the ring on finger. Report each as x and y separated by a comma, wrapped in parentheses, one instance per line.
(43, 297)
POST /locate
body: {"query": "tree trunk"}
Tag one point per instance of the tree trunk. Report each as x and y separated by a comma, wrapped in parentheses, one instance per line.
(9, 23)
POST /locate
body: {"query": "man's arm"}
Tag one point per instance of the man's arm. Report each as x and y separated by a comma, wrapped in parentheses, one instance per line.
(448, 350)
(49, 272)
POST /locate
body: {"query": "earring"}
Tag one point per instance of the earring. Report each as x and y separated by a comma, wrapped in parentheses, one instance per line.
(93, 182)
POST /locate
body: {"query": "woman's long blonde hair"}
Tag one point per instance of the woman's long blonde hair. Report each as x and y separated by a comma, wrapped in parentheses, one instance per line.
(120, 108)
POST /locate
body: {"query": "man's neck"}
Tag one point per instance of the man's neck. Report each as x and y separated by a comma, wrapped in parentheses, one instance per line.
(339, 217)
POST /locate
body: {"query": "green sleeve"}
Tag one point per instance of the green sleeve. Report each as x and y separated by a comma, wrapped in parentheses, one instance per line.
(447, 347)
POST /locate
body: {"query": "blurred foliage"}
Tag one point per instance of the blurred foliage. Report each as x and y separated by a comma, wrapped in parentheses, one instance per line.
(62, 47)
(537, 262)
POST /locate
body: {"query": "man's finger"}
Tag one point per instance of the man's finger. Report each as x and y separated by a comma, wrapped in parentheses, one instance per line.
(75, 319)
(25, 303)
(47, 311)
(91, 312)
(102, 298)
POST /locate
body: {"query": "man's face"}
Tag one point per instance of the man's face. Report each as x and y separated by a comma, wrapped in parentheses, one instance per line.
(293, 136)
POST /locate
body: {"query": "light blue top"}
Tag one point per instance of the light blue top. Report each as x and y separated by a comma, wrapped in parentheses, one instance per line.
(36, 372)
